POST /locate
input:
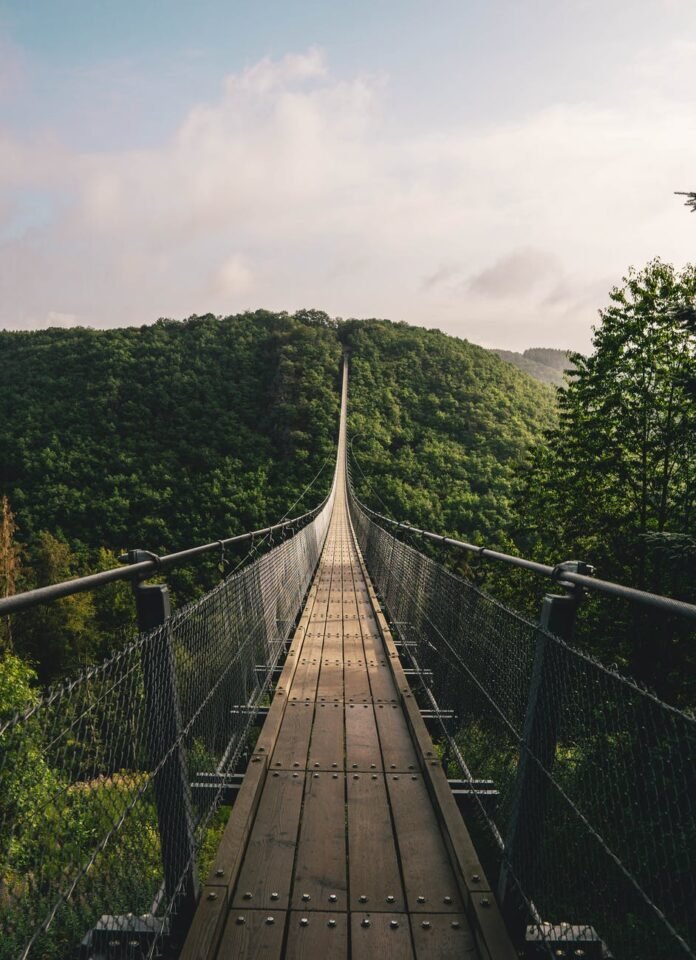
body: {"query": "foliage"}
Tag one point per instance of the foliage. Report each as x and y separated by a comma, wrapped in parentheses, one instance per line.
(182, 432)
(614, 481)
(10, 555)
(439, 428)
(158, 437)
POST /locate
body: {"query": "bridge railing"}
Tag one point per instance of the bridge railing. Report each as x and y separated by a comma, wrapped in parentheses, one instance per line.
(111, 784)
(588, 818)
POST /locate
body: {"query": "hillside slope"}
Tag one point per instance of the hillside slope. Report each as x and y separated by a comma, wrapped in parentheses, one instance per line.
(542, 363)
(440, 427)
(180, 433)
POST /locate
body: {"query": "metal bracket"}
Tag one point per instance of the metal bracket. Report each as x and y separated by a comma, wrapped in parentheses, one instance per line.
(128, 936)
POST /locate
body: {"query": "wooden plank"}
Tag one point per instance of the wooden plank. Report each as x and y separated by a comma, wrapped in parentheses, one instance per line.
(428, 876)
(356, 685)
(304, 683)
(330, 685)
(250, 935)
(327, 746)
(293, 737)
(317, 936)
(320, 881)
(395, 739)
(353, 651)
(381, 682)
(372, 643)
(266, 873)
(372, 859)
(380, 935)
(362, 740)
(207, 925)
(442, 936)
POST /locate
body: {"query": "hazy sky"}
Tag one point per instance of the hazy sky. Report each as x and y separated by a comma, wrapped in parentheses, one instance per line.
(489, 167)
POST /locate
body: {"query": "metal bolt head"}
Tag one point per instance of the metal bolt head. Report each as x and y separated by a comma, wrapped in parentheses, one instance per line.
(362, 898)
(447, 899)
(455, 924)
(485, 902)
(304, 922)
(421, 899)
(332, 898)
(393, 924)
(240, 920)
(212, 896)
(331, 923)
(306, 897)
(365, 922)
(426, 924)
(270, 921)
(390, 899)
(248, 895)
(475, 877)
(274, 895)
(219, 873)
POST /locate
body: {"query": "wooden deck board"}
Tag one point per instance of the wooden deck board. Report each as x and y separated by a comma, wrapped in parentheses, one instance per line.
(327, 746)
(320, 881)
(372, 856)
(266, 874)
(321, 937)
(249, 935)
(362, 740)
(428, 875)
(381, 935)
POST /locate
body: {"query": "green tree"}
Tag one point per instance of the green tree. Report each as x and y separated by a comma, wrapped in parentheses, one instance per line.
(614, 482)
(10, 554)
(60, 637)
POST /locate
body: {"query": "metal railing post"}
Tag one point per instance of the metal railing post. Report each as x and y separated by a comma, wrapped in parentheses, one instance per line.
(523, 850)
(167, 755)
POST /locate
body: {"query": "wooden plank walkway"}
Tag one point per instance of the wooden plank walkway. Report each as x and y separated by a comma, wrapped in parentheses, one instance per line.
(345, 840)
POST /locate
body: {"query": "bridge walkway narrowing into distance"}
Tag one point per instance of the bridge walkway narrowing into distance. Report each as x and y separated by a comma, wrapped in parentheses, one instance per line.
(345, 840)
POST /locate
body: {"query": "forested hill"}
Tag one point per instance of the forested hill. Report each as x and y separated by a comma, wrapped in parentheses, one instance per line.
(183, 432)
(440, 428)
(542, 363)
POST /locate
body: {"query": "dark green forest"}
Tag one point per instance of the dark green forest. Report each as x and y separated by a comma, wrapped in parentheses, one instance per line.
(183, 432)
(179, 433)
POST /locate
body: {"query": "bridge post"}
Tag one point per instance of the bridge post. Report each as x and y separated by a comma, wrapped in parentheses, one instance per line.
(523, 850)
(167, 756)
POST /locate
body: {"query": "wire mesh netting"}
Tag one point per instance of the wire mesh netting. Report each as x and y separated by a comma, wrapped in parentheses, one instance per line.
(588, 819)
(90, 771)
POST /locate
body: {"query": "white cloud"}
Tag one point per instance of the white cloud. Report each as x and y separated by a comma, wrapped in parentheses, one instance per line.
(233, 277)
(520, 272)
(293, 189)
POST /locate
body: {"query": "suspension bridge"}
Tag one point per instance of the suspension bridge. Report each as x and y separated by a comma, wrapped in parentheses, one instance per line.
(413, 769)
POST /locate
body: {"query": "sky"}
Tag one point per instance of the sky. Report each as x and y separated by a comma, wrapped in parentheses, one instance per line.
(488, 167)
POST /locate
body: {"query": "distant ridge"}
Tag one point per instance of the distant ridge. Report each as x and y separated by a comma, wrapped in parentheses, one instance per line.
(542, 363)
